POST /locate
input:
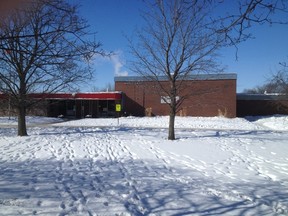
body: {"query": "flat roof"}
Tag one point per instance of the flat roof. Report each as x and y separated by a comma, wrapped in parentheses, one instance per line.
(216, 76)
(246, 96)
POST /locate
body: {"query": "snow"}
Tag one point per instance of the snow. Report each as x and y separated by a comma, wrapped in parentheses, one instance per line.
(217, 166)
(31, 120)
(277, 122)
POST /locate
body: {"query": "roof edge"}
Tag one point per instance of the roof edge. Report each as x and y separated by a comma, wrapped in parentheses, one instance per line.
(247, 96)
(217, 76)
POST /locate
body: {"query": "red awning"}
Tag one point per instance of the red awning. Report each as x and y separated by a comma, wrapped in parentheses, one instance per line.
(79, 96)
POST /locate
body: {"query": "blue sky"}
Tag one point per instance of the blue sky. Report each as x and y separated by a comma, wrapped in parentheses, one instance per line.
(113, 20)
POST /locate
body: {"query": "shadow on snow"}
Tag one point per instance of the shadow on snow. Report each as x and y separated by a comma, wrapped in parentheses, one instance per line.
(138, 187)
(132, 186)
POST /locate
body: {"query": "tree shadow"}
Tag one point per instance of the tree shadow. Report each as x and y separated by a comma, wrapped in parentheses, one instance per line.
(82, 130)
(215, 133)
(134, 187)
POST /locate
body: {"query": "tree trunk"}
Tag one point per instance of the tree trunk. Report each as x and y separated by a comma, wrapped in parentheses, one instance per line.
(173, 104)
(171, 135)
(22, 130)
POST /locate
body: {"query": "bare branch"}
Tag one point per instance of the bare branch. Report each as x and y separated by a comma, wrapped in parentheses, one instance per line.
(182, 37)
(44, 47)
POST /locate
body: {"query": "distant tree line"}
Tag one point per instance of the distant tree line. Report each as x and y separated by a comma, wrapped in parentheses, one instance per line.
(277, 83)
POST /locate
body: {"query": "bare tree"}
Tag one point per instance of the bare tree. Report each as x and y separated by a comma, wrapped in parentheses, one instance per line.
(269, 87)
(257, 90)
(276, 84)
(107, 88)
(242, 15)
(174, 44)
(44, 47)
(182, 37)
(279, 80)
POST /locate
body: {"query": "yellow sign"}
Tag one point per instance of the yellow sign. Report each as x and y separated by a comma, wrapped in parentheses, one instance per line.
(118, 107)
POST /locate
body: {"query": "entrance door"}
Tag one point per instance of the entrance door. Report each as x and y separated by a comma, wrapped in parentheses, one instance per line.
(106, 108)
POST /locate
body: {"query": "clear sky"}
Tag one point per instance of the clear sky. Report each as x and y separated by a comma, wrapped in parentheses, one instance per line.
(114, 20)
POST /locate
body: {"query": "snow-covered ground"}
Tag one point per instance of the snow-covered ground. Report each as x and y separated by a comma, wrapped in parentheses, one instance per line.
(217, 166)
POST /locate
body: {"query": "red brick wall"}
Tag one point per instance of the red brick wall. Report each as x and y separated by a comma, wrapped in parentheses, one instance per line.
(207, 98)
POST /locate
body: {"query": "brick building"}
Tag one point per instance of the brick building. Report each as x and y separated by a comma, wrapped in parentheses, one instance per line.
(81, 105)
(70, 105)
(261, 104)
(210, 95)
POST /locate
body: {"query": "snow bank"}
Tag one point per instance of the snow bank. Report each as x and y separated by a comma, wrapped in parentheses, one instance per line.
(162, 122)
(277, 122)
(31, 120)
(217, 123)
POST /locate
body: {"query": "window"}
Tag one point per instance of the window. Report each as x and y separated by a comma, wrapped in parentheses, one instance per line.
(166, 99)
